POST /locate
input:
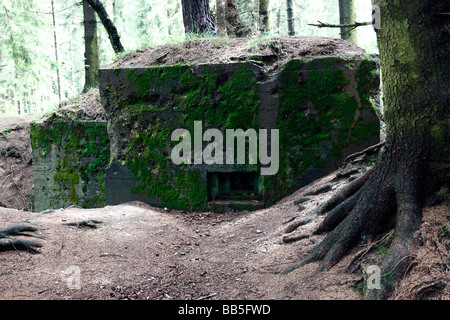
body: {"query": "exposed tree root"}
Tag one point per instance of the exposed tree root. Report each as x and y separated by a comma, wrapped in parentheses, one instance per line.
(364, 154)
(360, 254)
(322, 189)
(16, 244)
(92, 224)
(294, 225)
(20, 245)
(295, 238)
(334, 201)
(366, 208)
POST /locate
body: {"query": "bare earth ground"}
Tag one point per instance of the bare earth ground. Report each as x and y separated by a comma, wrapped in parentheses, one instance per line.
(16, 173)
(140, 252)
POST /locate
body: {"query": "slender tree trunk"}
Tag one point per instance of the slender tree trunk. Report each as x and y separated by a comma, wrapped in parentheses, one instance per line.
(290, 18)
(221, 17)
(197, 17)
(347, 15)
(58, 78)
(169, 26)
(278, 21)
(111, 29)
(91, 52)
(264, 16)
(115, 15)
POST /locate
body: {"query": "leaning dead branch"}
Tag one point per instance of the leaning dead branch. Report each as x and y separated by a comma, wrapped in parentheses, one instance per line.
(330, 25)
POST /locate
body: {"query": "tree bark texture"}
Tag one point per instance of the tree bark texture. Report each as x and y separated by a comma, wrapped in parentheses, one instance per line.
(264, 16)
(197, 17)
(91, 52)
(108, 24)
(347, 15)
(58, 78)
(221, 21)
(290, 18)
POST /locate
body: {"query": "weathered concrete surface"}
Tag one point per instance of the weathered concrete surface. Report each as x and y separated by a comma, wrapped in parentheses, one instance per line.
(324, 109)
(69, 162)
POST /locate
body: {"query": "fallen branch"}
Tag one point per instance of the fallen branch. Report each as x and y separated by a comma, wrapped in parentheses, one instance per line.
(330, 25)
(207, 296)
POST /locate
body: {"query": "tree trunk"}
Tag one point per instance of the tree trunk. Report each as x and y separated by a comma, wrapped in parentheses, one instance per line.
(58, 78)
(108, 24)
(264, 16)
(290, 18)
(197, 17)
(235, 26)
(347, 15)
(278, 21)
(91, 53)
(414, 43)
(221, 21)
(115, 14)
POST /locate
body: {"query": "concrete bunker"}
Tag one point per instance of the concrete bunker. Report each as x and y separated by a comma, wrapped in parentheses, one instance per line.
(234, 186)
(324, 109)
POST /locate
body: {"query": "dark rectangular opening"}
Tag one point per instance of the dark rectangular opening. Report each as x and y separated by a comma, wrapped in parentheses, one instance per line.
(233, 186)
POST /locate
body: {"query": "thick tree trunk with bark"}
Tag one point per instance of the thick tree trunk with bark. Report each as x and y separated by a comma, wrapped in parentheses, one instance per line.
(347, 15)
(91, 53)
(264, 15)
(414, 43)
(108, 24)
(197, 17)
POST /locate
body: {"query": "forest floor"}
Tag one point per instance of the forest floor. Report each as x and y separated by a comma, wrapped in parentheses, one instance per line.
(141, 252)
(273, 52)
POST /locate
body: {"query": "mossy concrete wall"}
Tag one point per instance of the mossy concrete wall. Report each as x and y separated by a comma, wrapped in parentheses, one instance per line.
(323, 107)
(69, 163)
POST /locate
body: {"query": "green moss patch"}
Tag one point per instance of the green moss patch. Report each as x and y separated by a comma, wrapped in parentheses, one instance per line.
(318, 118)
(82, 154)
